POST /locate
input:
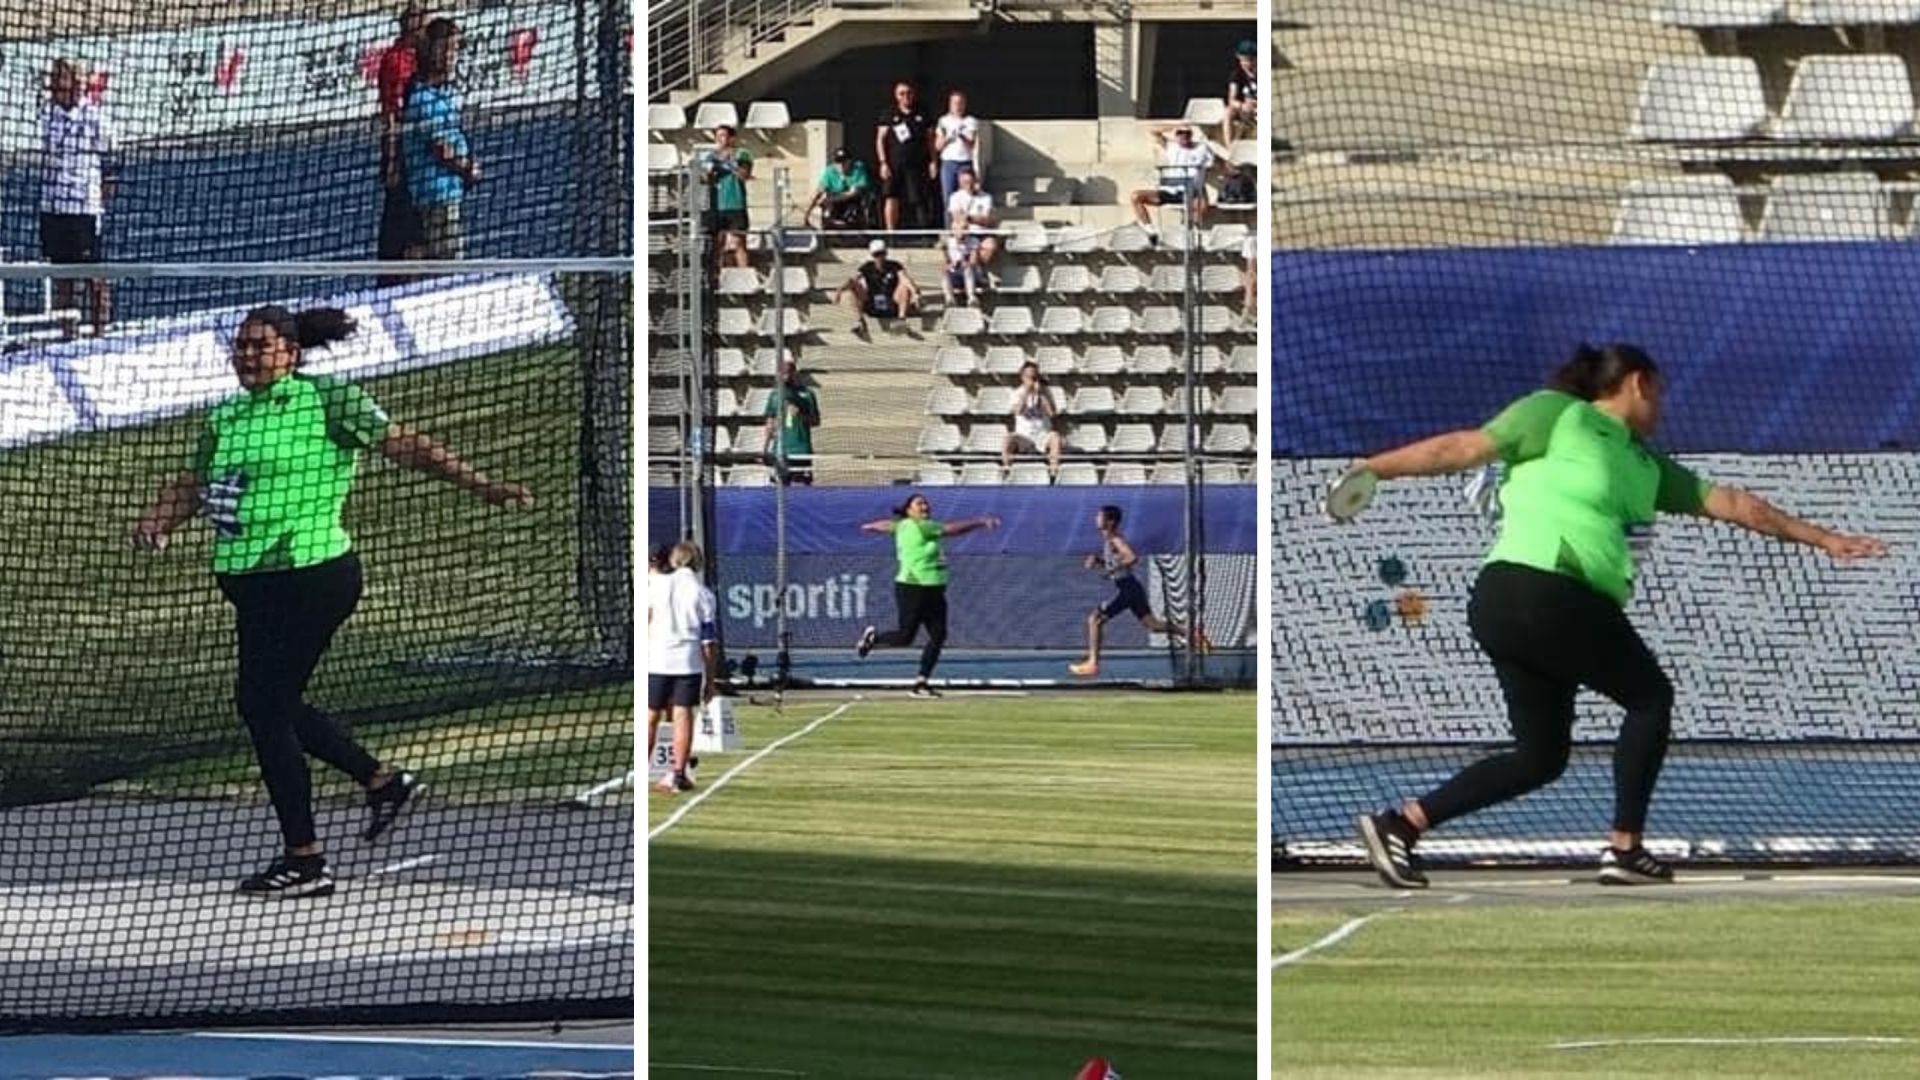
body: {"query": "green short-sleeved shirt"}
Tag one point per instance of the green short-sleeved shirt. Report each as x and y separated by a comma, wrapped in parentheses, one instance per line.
(729, 191)
(835, 182)
(1577, 480)
(917, 543)
(795, 409)
(275, 466)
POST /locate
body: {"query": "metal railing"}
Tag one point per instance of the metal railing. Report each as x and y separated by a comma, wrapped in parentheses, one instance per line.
(690, 38)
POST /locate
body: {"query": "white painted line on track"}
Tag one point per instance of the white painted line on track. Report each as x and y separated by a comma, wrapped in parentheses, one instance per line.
(418, 1040)
(730, 1070)
(1780, 1040)
(704, 793)
(403, 864)
(1346, 930)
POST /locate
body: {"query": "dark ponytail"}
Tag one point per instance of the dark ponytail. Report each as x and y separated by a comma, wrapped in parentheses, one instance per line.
(308, 329)
(901, 510)
(1592, 373)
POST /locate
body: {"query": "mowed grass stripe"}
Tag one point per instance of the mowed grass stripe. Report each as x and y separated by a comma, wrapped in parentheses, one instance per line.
(1487, 991)
(906, 892)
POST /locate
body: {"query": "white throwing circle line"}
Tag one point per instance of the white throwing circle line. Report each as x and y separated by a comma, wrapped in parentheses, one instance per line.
(702, 795)
(1345, 931)
(1776, 1040)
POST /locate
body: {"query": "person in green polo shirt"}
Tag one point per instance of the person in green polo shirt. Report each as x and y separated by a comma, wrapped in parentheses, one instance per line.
(728, 167)
(1548, 605)
(793, 411)
(271, 473)
(920, 587)
(845, 194)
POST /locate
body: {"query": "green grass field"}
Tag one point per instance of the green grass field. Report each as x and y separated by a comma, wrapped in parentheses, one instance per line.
(119, 665)
(1457, 991)
(973, 888)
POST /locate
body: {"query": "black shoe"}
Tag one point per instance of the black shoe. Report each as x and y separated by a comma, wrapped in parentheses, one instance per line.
(291, 876)
(1390, 839)
(922, 690)
(1635, 867)
(676, 782)
(387, 802)
(865, 644)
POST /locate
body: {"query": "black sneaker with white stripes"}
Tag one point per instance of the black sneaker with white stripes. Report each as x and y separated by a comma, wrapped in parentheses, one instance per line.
(924, 690)
(865, 645)
(387, 802)
(1635, 867)
(291, 876)
(1390, 839)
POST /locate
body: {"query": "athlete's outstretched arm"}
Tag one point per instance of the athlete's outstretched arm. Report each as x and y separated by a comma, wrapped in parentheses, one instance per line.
(423, 453)
(1456, 451)
(1751, 512)
(178, 501)
(884, 525)
(962, 528)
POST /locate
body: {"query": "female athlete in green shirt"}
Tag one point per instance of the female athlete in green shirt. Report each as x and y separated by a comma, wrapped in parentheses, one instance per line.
(1547, 608)
(920, 588)
(271, 473)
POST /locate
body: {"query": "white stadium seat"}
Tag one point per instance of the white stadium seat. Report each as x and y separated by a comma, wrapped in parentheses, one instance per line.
(1029, 474)
(1063, 321)
(1221, 278)
(1220, 472)
(738, 281)
(1129, 239)
(1227, 237)
(1142, 401)
(1206, 112)
(1126, 473)
(980, 473)
(663, 440)
(1228, 439)
(947, 401)
(749, 476)
(1856, 12)
(1078, 474)
(1847, 97)
(1018, 279)
(1168, 472)
(993, 401)
(1244, 360)
(665, 118)
(985, 439)
(1086, 438)
(963, 322)
(730, 363)
(1831, 206)
(1121, 280)
(1003, 360)
(1152, 360)
(1026, 237)
(666, 401)
(1700, 98)
(727, 403)
(1092, 401)
(1110, 319)
(1237, 401)
(934, 476)
(1715, 14)
(1173, 439)
(789, 323)
(1010, 322)
(938, 437)
(754, 404)
(1168, 279)
(1054, 360)
(1077, 240)
(733, 322)
(1701, 209)
(767, 116)
(1103, 360)
(793, 281)
(662, 157)
(1070, 280)
(956, 362)
(1131, 439)
(712, 114)
(1159, 321)
(1216, 319)
(766, 360)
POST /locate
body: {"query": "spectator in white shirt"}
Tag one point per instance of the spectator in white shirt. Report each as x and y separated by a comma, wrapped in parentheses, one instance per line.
(957, 140)
(683, 654)
(1183, 175)
(973, 206)
(75, 141)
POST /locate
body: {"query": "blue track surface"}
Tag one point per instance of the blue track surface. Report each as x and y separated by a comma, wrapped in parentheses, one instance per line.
(201, 1055)
(1821, 803)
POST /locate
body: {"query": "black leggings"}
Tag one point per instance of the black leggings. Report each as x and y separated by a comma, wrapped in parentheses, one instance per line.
(919, 605)
(1548, 635)
(287, 619)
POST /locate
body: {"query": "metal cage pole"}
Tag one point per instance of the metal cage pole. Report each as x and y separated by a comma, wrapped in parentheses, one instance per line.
(783, 659)
(1190, 316)
(698, 444)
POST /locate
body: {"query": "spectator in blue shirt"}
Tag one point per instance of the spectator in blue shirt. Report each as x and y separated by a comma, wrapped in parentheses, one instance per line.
(439, 165)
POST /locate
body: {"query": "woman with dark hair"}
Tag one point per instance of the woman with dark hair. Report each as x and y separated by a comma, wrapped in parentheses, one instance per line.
(1548, 606)
(271, 473)
(920, 587)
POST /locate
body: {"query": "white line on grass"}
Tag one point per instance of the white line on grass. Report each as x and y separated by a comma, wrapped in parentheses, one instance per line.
(1345, 931)
(684, 1066)
(404, 864)
(597, 790)
(701, 796)
(1780, 1040)
(392, 1040)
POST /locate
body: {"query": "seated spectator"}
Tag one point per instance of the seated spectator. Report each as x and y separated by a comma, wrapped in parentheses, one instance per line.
(963, 266)
(880, 289)
(728, 168)
(1243, 96)
(793, 411)
(1241, 188)
(975, 207)
(1183, 176)
(845, 194)
(1032, 421)
(957, 140)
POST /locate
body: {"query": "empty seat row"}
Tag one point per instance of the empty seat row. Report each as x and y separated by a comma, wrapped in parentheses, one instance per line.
(735, 322)
(1097, 401)
(1076, 473)
(1031, 237)
(1706, 210)
(746, 281)
(961, 361)
(1719, 98)
(939, 437)
(664, 119)
(1076, 278)
(1016, 321)
(1730, 14)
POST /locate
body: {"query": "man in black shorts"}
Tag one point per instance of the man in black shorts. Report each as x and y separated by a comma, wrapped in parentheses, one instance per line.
(76, 141)
(903, 144)
(880, 289)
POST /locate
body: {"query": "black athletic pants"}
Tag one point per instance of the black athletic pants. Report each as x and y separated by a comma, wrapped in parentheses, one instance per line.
(287, 619)
(919, 605)
(1548, 635)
